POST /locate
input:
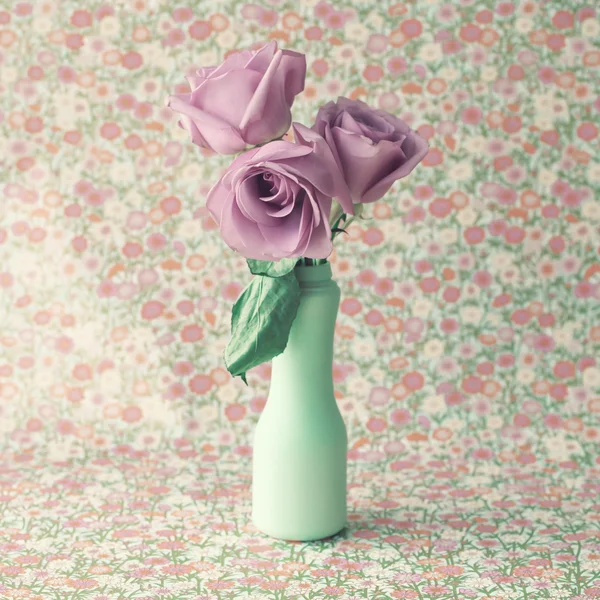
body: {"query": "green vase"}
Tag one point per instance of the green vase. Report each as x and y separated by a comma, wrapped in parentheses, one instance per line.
(300, 441)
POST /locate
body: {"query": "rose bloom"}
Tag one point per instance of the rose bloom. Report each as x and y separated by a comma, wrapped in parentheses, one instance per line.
(274, 202)
(246, 100)
(372, 147)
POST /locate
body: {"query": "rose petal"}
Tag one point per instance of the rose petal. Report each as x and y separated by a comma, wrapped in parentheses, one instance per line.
(365, 163)
(189, 125)
(414, 144)
(237, 60)
(276, 216)
(244, 235)
(280, 150)
(227, 95)
(293, 67)
(283, 211)
(285, 236)
(307, 225)
(346, 121)
(310, 169)
(219, 135)
(262, 58)
(215, 202)
(320, 244)
(238, 167)
(249, 203)
(267, 115)
(326, 153)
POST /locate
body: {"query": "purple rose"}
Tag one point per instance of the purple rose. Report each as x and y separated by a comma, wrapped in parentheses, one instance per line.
(372, 148)
(246, 100)
(274, 202)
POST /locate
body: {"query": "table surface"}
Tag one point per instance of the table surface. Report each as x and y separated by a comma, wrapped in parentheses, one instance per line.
(467, 343)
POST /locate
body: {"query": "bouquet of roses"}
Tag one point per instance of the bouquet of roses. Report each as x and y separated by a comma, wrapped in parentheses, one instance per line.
(281, 202)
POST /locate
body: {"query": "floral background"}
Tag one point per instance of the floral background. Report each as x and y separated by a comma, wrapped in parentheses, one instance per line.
(467, 344)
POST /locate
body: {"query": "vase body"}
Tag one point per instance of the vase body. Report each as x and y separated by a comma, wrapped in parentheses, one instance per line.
(300, 441)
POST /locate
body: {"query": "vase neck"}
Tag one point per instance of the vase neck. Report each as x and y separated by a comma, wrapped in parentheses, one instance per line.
(313, 276)
(306, 363)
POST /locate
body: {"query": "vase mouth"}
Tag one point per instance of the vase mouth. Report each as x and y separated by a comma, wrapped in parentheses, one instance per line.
(313, 273)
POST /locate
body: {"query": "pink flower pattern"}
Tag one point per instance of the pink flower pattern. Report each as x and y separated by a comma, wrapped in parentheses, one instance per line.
(467, 343)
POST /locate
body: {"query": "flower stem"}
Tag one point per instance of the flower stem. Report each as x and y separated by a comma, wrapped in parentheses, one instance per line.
(312, 262)
(335, 215)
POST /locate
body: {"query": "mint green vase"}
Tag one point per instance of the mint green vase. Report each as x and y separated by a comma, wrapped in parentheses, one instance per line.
(300, 441)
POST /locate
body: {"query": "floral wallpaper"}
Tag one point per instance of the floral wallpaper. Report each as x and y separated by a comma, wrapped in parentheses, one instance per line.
(467, 343)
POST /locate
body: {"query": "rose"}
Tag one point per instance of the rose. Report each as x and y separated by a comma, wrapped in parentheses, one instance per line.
(274, 202)
(372, 148)
(246, 100)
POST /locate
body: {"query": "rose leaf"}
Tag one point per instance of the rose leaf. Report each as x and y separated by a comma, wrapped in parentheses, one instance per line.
(261, 320)
(272, 269)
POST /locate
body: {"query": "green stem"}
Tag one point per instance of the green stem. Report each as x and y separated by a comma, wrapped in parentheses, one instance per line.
(336, 214)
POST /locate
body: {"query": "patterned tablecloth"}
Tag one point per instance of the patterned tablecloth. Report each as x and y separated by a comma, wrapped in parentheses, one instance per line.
(467, 342)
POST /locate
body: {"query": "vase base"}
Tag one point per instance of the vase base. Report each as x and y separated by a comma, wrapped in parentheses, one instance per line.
(289, 535)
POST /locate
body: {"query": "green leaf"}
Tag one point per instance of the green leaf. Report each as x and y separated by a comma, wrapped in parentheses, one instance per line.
(272, 269)
(261, 321)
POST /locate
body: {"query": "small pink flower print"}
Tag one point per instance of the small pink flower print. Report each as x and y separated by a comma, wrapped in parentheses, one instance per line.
(546, 320)
(449, 325)
(405, 594)
(440, 207)
(219, 585)
(384, 286)
(372, 236)
(235, 412)
(521, 316)
(141, 573)
(147, 277)
(200, 384)
(231, 291)
(472, 384)
(182, 14)
(110, 131)
(564, 369)
(170, 205)
(156, 242)
(415, 214)
(430, 285)
(64, 344)
(132, 249)
(474, 235)
(152, 309)
(132, 60)
(82, 372)
(436, 590)
(366, 277)
(413, 380)
(376, 424)
(350, 306)
(482, 278)
(131, 414)
(185, 307)
(544, 343)
(423, 192)
(177, 570)
(82, 584)
(584, 289)
(200, 30)
(451, 294)
(401, 417)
